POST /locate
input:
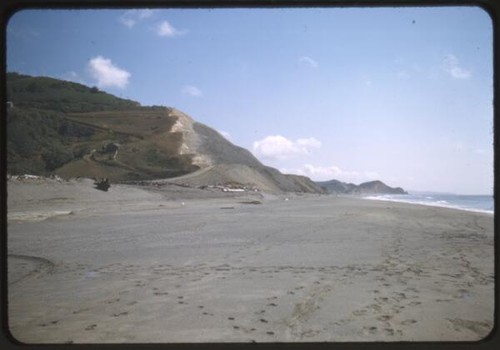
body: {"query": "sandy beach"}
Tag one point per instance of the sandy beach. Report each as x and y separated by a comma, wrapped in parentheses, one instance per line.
(170, 264)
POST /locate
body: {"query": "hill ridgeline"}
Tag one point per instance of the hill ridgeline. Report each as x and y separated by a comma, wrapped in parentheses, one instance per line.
(62, 128)
(371, 187)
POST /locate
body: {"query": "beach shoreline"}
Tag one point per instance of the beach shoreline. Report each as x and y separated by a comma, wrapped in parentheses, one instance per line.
(166, 264)
(437, 204)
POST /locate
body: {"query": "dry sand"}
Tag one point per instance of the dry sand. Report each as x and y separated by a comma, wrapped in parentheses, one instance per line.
(182, 265)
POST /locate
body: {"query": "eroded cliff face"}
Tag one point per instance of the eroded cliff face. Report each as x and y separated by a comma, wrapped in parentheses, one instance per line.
(191, 143)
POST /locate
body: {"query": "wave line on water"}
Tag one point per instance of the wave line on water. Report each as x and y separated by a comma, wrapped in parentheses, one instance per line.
(472, 203)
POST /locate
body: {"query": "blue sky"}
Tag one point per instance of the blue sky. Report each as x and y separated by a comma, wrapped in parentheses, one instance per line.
(403, 95)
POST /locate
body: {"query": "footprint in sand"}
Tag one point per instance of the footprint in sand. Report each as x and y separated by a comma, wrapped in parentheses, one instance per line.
(400, 296)
(384, 317)
(359, 312)
(408, 322)
(397, 308)
(389, 331)
(160, 293)
(80, 310)
(370, 330)
(374, 307)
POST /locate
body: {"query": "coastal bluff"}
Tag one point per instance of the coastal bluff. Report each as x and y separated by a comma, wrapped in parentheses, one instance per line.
(371, 187)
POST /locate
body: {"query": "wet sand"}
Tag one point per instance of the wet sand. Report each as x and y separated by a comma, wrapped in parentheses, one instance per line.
(171, 265)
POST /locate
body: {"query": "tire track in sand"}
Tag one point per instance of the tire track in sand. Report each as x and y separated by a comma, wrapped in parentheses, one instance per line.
(42, 267)
(303, 311)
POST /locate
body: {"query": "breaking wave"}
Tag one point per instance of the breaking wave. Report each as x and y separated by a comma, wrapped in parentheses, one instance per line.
(475, 203)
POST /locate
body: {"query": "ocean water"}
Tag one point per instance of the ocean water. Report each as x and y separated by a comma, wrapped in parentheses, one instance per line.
(477, 203)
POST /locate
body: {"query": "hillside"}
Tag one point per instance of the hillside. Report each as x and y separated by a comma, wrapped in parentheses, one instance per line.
(68, 129)
(372, 187)
(44, 93)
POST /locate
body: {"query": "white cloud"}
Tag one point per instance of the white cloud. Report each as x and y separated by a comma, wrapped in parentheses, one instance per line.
(145, 13)
(452, 67)
(226, 135)
(128, 22)
(191, 90)
(320, 172)
(167, 30)
(131, 17)
(310, 142)
(278, 147)
(107, 74)
(74, 77)
(324, 173)
(308, 61)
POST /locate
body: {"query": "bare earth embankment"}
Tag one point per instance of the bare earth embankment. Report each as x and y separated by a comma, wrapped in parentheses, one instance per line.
(175, 264)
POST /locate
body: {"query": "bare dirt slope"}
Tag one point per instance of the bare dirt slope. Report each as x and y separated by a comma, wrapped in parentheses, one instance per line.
(221, 163)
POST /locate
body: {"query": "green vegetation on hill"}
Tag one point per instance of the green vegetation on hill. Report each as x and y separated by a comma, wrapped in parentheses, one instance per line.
(64, 128)
(62, 96)
(38, 140)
